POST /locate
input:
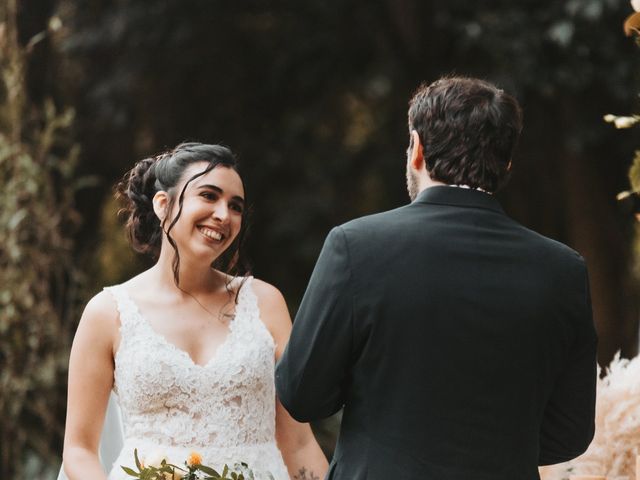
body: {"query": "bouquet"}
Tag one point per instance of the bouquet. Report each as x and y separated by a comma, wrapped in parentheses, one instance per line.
(160, 469)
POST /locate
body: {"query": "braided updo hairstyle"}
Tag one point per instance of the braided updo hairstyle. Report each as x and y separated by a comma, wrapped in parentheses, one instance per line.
(163, 173)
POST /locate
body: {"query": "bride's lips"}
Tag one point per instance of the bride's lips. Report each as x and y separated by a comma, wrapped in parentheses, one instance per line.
(212, 233)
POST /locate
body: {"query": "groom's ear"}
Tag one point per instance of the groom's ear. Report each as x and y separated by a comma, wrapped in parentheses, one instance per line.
(416, 152)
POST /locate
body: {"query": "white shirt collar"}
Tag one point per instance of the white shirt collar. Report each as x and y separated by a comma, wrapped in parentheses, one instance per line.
(468, 187)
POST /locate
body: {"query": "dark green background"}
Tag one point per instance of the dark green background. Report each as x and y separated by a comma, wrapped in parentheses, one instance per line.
(313, 95)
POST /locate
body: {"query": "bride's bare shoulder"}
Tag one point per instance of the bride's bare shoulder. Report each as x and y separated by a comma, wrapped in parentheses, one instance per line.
(273, 312)
(267, 294)
(272, 305)
(101, 308)
(99, 324)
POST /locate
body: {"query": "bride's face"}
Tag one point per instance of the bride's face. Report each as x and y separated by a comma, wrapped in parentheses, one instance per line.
(211, 215)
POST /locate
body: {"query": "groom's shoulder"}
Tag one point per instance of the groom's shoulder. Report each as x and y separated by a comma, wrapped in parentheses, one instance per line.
(389, 222)
(550, 249)
(375, 221)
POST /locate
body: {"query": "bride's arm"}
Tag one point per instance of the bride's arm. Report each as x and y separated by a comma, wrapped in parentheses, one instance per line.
(300, 450)
(90, 381)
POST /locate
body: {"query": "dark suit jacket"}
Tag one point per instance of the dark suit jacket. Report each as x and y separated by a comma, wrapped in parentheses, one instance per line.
(460, 344)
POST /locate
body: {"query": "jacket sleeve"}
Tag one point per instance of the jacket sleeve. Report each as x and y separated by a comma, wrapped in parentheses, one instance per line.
(311, 373)
(568, 424)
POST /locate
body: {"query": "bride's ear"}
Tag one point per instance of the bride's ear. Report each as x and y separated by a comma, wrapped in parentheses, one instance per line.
(160, 204)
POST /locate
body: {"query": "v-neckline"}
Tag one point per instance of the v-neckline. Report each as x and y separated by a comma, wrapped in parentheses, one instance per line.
(136, 310)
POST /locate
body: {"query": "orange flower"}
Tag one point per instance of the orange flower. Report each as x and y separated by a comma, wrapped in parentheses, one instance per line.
(194, 459)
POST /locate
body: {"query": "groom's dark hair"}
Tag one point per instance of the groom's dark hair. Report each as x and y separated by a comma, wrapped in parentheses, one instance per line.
(468, 128)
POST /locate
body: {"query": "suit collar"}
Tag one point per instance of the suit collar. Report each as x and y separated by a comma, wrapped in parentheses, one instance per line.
(461, 197)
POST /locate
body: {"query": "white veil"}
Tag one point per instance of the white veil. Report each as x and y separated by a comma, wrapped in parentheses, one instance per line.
(112, 437)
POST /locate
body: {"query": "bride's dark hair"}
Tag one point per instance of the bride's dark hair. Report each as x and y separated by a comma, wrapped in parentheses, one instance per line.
(164, 172)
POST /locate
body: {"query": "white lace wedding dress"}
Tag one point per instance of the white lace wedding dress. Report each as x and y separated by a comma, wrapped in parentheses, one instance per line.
(171, 406)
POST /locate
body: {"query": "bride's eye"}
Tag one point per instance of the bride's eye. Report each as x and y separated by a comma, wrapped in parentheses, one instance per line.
(236, 206)
(209, 195)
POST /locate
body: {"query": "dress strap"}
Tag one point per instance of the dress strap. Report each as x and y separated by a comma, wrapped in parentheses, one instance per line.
(247, 306)
(126, 308)
(248, 315)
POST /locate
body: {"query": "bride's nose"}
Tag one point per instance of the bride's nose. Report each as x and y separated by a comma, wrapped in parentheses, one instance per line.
(221, 212)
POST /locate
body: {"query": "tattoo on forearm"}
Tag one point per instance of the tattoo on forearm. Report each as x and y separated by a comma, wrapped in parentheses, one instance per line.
(304, 474)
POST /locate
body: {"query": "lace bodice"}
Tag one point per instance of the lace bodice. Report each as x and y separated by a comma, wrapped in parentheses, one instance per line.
(224, 409)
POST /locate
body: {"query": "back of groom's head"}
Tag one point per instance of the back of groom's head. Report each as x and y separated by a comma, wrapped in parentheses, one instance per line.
(468, 129)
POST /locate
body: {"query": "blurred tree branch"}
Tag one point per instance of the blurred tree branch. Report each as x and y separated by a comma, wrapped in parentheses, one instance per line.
(37, 277)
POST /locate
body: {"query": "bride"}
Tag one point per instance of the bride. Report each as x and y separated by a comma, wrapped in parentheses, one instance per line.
(188, 346)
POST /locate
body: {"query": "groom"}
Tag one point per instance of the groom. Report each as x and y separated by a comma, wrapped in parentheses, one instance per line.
(460, 344)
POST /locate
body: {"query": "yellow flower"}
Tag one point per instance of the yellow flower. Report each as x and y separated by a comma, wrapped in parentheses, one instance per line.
(194, 459)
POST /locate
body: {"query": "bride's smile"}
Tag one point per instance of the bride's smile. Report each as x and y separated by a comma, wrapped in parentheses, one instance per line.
(211, 233)
(210, 218)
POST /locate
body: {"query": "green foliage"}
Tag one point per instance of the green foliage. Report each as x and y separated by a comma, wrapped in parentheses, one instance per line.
(634, 172)
(632, 197)
(165, 470)
(634, 180)
(37, 220)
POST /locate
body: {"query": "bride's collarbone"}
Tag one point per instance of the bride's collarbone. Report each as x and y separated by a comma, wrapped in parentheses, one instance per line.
(187, 318)
(187, 325)
(219, 306)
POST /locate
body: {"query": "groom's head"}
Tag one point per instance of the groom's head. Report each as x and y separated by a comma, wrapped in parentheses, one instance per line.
(463, 131)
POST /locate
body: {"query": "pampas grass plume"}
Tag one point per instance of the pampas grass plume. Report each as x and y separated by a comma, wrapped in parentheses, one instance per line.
(616, 442)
